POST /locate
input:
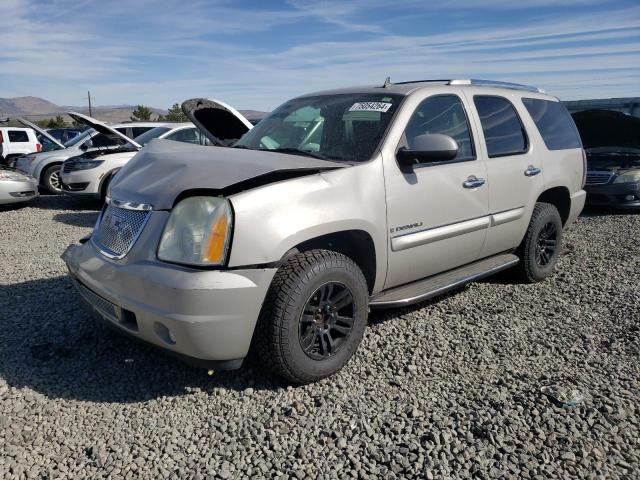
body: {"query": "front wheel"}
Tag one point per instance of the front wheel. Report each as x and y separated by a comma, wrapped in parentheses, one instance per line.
(540, 248)
(51, 179)
(314, 316)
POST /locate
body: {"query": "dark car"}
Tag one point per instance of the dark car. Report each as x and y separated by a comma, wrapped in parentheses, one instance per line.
(612, 142)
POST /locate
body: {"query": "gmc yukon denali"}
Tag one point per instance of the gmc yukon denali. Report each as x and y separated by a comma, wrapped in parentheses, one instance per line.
(285, 235)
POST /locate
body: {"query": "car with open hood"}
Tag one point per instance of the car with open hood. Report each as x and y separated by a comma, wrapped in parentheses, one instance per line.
(612, 143)
(88, 175)
(45, 166)
(334, 203)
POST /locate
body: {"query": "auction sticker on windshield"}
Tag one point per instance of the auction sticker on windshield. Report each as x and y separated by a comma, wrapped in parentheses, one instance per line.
(370, 107)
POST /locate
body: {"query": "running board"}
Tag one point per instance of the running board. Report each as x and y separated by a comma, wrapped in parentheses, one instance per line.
(433, 286)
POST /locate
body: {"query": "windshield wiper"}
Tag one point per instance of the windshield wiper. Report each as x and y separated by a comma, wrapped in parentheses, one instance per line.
(297, 151)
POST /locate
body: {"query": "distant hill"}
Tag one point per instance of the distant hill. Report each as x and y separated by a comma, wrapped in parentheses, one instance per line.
(35, 108)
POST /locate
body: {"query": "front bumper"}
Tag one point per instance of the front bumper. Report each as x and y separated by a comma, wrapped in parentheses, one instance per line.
(619, 195)
(15, 191)
(83, 182)
(207, 316)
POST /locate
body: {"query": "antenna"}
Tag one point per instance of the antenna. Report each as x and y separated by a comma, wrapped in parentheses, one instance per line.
(387, 82)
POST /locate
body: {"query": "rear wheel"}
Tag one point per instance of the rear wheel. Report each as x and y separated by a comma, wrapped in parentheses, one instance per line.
(51, 179)
(314, 316)
(540, 248)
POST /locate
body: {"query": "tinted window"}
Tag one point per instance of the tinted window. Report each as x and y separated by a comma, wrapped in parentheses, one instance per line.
(186, 135)
(135, 131)
(503, 132)
(102, 140)
(18, 136)
(554, 123)
(442, 114)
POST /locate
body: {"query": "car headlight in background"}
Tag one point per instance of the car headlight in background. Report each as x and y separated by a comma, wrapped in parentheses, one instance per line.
(197, 232)
(628, 177)
(13, 176)
(86, 165)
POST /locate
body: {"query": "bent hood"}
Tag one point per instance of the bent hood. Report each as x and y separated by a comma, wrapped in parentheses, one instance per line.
(102, 127)
(41, 131)
(163, 169)
(221, 123)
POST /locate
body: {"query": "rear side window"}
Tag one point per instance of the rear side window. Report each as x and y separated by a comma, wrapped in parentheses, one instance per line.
(501, 125)
(19, 136)
(554, 123)
(135, 131)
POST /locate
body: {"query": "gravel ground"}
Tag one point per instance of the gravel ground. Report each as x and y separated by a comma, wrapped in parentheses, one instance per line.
(496, 380)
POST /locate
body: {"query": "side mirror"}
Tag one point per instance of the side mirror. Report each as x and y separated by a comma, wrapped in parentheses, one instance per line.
(430, 147)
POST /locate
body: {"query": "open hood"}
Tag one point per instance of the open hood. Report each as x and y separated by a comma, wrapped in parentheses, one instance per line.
(607, 128)
(101, 127)
(221, 123)
(163, 169)
(40, 130)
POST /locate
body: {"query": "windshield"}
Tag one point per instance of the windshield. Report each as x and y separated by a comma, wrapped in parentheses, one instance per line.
(151, 134)
(345, 127)
(84, 135)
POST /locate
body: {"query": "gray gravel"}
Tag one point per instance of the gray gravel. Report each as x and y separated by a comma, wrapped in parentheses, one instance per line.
(496, 380)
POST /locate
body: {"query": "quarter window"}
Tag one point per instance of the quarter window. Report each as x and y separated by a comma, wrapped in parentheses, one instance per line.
(19, 136)
(503, 131)
(554, 123)
(443, 114)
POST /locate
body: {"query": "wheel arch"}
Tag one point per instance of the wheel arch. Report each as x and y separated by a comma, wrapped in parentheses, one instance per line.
(560, 198)
(46, 167)
(358, 245)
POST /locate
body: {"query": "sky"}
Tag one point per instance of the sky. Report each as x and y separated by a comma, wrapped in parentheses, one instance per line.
(256, 55)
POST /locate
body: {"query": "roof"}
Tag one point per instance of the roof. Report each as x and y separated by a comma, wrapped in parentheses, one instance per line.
(405, 88)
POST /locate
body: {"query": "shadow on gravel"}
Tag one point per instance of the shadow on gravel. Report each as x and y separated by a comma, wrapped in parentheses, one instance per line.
(61, 202)
(601, 211)
(79, 219)
(49, 344)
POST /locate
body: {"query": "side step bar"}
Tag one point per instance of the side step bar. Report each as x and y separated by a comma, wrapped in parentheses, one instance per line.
(435, 285)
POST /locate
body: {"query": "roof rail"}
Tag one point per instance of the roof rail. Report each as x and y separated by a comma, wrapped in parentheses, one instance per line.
(494, 83)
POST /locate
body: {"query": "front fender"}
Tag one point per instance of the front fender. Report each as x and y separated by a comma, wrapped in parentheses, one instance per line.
(273, 219)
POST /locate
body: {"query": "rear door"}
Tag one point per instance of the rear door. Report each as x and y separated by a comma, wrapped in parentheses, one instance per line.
(514, 169)
(437, 217)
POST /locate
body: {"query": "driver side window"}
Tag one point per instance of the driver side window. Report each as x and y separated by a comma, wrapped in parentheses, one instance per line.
(443, 114)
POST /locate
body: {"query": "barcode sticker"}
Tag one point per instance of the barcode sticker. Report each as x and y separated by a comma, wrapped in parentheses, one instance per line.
(370, 107)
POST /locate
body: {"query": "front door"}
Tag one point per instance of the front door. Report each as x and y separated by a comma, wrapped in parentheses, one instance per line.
(437, 212)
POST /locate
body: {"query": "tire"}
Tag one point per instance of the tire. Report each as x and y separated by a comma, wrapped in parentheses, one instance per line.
(51, 179)
(301, 336)
(540, 248)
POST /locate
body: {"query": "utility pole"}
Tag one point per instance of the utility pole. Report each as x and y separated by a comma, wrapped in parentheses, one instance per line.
(89, 97)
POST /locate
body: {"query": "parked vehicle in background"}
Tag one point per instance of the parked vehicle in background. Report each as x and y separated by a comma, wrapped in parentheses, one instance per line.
(335, 202)
(89, 174)
(612, 143)
(16, 187)
(63, 135)
(16, 141)
(45, 166)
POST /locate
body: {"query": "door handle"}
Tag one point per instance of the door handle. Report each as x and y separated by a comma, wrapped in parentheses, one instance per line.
(532, 171)
(473, 182)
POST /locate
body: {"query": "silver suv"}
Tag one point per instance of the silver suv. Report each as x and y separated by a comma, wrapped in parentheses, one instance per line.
(334, 203)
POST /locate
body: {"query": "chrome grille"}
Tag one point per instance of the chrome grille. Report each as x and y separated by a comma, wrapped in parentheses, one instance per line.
(597, 178)
(105, 307)
(118, 229)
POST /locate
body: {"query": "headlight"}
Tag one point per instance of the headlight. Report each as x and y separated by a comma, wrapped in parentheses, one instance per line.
(86, 165)
(197, 232)
(13, 176)
(628, 177)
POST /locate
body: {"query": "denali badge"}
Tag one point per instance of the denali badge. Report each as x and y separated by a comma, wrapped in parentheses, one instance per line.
(405, 227)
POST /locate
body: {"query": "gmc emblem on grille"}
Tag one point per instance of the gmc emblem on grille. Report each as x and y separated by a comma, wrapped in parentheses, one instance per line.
(116, 222)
